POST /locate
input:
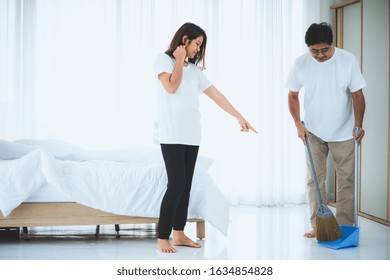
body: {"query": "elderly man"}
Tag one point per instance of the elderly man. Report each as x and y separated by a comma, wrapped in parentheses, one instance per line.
(334, 106)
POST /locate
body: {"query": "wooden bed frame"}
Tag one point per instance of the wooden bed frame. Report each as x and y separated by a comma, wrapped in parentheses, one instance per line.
(72, 214)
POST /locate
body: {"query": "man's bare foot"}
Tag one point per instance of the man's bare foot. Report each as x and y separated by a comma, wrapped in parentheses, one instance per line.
(164, 246)
(180, 239)
(311, 234)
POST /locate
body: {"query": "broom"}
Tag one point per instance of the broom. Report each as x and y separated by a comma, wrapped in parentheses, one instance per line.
(326, 224)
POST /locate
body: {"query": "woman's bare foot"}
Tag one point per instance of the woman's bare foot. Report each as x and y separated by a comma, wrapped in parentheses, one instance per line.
(164, 246)
(180, 239)
(311, 234)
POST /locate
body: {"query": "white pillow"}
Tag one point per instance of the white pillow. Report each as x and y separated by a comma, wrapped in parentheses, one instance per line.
(11, 150)
(59, 149)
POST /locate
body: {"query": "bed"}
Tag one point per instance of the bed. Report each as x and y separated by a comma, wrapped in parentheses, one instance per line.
(53, 183)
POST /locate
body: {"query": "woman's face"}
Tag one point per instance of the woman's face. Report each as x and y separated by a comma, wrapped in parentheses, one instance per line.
(193, 47)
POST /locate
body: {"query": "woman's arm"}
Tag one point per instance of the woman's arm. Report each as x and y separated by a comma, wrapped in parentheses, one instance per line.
(171, 82)
(222, 102)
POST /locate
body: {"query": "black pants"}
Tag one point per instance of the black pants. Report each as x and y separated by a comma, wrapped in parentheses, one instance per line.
(180, 164)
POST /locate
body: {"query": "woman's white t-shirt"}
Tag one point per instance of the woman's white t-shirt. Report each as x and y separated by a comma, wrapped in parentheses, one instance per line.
(179, 116)
(328, 86)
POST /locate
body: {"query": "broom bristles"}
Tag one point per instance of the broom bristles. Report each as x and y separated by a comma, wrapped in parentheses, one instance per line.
(327, 229)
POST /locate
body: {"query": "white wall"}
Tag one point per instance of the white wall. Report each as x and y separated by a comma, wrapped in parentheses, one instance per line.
(374, 177)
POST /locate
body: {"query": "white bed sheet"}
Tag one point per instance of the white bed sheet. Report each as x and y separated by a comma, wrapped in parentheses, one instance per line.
(127, 182)
(47, 193)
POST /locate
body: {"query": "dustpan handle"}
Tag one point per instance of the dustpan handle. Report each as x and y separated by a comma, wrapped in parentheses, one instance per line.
(313, 171)
(356, 177)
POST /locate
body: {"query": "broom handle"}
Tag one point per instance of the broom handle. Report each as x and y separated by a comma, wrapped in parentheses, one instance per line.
(356, 177)
(313, 171)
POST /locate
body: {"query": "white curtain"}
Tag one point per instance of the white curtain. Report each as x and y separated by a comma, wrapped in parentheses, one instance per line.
(92, 83)
(17, 68)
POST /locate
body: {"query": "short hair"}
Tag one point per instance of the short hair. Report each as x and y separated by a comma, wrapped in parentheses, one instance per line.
(319, 33)
(192, 31)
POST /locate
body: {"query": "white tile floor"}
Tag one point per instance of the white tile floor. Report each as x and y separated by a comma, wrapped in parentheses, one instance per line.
(254, 233)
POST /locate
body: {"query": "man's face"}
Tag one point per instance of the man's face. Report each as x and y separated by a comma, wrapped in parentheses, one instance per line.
(321, 51)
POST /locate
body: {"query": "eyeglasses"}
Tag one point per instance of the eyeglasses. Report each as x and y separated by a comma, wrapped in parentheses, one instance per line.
(317, 51)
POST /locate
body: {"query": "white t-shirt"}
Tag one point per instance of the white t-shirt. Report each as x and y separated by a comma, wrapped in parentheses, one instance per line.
(328, 86)
(179, 116)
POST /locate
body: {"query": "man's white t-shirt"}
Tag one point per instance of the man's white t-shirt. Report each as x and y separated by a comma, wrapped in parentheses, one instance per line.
(328, 86)
(179, 116)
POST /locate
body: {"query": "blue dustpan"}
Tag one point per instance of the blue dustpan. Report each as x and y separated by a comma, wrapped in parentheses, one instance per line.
(350, 239)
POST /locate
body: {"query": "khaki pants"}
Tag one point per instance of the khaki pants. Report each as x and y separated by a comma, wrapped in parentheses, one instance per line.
(343, 154)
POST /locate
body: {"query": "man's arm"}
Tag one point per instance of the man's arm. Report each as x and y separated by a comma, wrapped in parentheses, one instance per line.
(293, 106)
(359, 107)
